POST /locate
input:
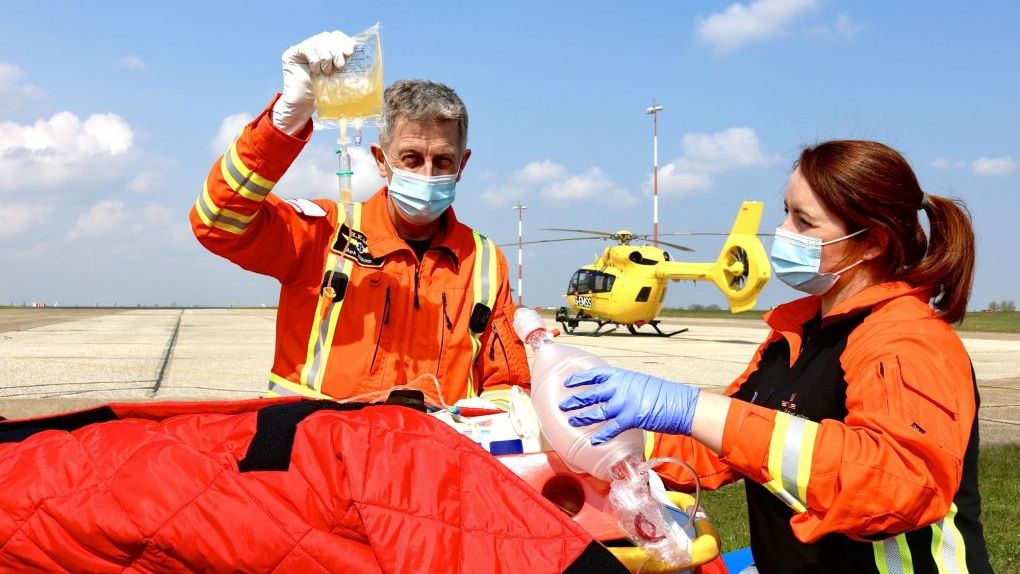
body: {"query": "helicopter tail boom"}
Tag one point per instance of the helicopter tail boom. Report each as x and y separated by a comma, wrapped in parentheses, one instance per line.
(742, 268)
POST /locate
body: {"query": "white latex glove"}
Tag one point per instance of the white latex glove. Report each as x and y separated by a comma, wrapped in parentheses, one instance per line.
(321, 54)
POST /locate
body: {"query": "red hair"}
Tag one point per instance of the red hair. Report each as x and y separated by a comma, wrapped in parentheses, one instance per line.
(871, 186)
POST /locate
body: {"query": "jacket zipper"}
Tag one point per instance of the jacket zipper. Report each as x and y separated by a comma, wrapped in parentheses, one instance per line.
(385, 321)
(442, 336)
(417, 276)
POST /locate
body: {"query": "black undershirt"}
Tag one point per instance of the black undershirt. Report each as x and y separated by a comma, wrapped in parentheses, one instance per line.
(419, 247)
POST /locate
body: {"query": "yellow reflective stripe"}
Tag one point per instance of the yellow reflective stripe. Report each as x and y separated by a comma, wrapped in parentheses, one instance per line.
(346, 266)
(241, 179)
(281, 387)
(313, 335)
(790, 453)
(947, 546)
(220, 218)
(483, 289)
(498, 397)
(807, 450)
(327, 312)
(892, 556)
(489, 291)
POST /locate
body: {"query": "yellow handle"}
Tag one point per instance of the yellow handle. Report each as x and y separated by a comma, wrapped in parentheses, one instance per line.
(704, 547)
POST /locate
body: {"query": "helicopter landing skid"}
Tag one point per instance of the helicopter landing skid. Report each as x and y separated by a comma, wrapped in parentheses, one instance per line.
(658, 332)
(570, 324)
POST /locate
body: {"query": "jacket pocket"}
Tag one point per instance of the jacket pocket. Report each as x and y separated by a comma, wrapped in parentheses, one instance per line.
(919, 406)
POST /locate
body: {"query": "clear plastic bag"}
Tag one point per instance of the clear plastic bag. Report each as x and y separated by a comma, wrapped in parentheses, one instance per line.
(645, 517)
(354, 93)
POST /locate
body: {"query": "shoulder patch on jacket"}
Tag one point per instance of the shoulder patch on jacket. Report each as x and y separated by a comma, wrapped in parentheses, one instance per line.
(306, 207)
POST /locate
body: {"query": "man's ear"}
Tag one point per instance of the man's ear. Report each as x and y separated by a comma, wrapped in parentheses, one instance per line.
(380, 161)
(463, 163)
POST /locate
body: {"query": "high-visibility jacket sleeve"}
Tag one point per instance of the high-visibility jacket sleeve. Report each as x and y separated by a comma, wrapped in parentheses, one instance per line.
(894, 464)
(712, 472)
(237, 217)
(502, 361)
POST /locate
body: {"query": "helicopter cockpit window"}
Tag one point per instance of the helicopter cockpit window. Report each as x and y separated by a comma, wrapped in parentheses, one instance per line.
(572, 288)
(584, 282)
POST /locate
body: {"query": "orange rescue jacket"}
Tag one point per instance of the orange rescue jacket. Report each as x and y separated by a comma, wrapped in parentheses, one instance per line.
(386, 318)
(875, 473)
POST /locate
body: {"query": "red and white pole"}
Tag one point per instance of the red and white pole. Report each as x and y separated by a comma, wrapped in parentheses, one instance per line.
(520, 253)
(654, 111)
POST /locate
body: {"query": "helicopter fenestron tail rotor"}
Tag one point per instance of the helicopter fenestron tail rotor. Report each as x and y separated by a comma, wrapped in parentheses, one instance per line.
(742, 268)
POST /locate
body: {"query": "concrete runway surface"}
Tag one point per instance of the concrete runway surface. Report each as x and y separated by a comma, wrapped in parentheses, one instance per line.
(54, 360)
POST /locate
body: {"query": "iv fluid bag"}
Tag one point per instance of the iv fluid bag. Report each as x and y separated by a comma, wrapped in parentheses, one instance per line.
(355, 92)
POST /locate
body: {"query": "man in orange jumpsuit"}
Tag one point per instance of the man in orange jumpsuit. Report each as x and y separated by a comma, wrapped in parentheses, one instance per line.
(373, 294)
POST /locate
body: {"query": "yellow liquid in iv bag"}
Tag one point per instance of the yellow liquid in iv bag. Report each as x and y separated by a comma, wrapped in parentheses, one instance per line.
(356, 91)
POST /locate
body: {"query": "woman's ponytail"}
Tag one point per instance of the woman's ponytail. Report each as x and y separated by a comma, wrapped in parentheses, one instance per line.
(948, 265)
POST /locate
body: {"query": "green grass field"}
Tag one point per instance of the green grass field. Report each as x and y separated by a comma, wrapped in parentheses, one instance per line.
(1002, 322)
(976, 321)
(1000, 491)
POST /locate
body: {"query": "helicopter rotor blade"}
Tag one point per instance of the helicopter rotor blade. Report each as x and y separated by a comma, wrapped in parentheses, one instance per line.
(593, 232)
(709, 233)
(514, 244)
(676, 246)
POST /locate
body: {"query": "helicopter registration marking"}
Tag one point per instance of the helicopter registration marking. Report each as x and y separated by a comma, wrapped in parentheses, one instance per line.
(583, 302)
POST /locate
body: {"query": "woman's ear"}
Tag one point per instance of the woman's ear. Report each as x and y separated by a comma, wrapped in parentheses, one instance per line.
(875, 242)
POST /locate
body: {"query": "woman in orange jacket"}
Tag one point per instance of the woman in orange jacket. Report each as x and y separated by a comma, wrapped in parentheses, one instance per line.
(855, 423)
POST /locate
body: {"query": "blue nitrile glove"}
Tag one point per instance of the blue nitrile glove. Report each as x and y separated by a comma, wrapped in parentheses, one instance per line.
(630, 400)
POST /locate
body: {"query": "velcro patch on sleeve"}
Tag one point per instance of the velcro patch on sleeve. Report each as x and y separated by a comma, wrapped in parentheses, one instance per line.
(307, 207)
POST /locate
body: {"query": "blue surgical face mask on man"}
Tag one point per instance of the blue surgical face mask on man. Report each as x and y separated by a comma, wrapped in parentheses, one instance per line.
(797, 260)
(421, 199)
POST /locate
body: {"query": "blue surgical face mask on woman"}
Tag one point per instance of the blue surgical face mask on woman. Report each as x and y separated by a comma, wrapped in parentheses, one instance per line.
(797, 260)
(421, 198)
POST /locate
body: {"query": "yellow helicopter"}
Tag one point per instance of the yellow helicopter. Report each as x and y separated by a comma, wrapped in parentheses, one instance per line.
(627, 284)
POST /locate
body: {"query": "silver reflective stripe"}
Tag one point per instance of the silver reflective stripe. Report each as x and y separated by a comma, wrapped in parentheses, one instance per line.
(282, 390)
(244, 181)
(791, 454)
(892, 556)
(944, 544)
(338, 267)
(216, 216)
(486, 256)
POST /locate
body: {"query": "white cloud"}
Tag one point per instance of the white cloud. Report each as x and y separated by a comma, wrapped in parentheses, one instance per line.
(15, 218)
(705, 154)
(540, 172)
(101, 219)
(993, 166)
(131, 62)
(63, 149)
(553, 182)
(740, 24)
(125, 229)
(230, 128)
(13, 92)
(847, 28)
(592, 184)
(844, 28)
(673, 180)
(313, 175)
(504, 194)
(946, 163)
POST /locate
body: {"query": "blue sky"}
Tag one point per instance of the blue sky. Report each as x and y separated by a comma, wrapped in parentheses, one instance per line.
(112, 112)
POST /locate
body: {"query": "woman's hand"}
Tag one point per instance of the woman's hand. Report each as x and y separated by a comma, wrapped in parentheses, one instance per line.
(630, 400)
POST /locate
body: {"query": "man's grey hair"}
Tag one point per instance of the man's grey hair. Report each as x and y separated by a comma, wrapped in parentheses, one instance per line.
(421, 100)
